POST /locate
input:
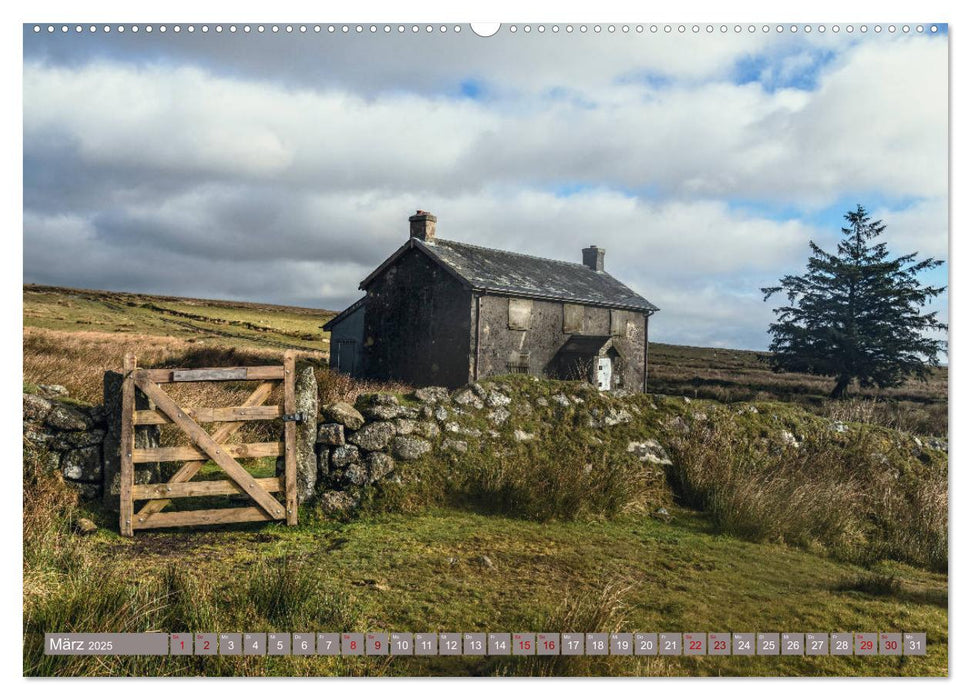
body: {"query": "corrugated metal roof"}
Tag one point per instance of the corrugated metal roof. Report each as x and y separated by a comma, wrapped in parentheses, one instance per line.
(515, 274)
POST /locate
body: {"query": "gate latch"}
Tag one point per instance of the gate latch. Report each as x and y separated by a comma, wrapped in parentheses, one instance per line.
(293, 417)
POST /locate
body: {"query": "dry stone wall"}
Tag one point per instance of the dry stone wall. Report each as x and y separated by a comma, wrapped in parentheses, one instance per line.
(71, 435)
(342, 449)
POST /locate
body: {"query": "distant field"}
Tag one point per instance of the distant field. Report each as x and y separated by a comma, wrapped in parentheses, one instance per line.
(743, 375)
(243, 323)
(73, 335)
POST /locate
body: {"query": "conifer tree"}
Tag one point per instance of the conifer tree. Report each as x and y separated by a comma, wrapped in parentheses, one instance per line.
(857, 314)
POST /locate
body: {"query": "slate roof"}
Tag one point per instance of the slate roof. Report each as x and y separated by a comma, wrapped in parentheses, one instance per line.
(344, 314)
(514, 274)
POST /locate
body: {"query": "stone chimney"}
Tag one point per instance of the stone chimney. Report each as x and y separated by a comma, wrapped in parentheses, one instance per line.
(593, 257)
(423, 225)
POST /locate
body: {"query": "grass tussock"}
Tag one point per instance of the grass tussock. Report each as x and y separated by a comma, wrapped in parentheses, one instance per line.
(907, 417)
(601, 609)
(872, 583)
(571, 481)
(553, 480)
(50, 510)
(861, 497)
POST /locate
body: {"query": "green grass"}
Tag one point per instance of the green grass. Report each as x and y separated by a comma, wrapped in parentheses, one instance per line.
(425, 573)
(413, 559)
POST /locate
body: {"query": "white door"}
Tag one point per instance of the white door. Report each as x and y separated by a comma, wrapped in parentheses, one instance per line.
(604, 371)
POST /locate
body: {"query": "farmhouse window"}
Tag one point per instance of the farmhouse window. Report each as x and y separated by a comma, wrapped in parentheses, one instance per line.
(618, 322)
(572, 318)
(520, 311)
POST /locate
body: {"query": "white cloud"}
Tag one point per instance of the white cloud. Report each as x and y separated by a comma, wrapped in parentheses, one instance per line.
(920, 227)
(298, 173)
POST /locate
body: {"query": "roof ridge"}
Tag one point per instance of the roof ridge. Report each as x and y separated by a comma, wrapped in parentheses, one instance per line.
(512, 252)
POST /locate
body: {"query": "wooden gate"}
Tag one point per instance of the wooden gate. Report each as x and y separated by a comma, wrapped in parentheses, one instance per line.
(206, 447)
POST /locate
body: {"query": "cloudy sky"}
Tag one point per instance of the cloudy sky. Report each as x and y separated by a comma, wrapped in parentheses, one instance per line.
(283, 167)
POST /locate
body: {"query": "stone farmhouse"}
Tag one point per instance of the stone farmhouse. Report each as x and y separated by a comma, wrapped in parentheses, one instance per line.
(445, 313)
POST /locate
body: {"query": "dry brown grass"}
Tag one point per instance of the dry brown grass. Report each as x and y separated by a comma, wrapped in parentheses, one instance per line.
(78, 361)
(742, 375)
(863, 496)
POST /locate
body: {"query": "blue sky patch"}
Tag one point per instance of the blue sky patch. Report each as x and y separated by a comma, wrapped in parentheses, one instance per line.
(472, 89)
(798, 69)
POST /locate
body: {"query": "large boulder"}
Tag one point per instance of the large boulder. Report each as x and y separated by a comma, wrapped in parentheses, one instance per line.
(83, 464)
(53, 391)
(337, 502)
(649, 451)
(405, 426)
(36, 408)
(467, 397)
(38, 434)
(428, 429)
(343, 413)
(379, 465)
(373, 436)
(379, 406)
(498, 416)
(454, 427)
(81, 438)
(356, 474)
(343, 455)
(432, 394)
(494, 399)
(408, 448)
(382, 412)
(330, 434)
(64, 417)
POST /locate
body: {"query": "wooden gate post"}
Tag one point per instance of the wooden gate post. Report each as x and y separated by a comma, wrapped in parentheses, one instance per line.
(126, 505)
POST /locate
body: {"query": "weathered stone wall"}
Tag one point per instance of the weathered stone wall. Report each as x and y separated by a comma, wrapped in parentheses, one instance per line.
(71, 436)
(361, 445)
(416, 327)
(545, 336)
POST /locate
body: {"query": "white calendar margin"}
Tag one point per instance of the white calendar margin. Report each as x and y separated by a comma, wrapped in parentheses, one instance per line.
(510, 10)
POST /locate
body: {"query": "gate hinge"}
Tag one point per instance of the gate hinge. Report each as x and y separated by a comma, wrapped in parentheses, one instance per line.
(293, 417)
